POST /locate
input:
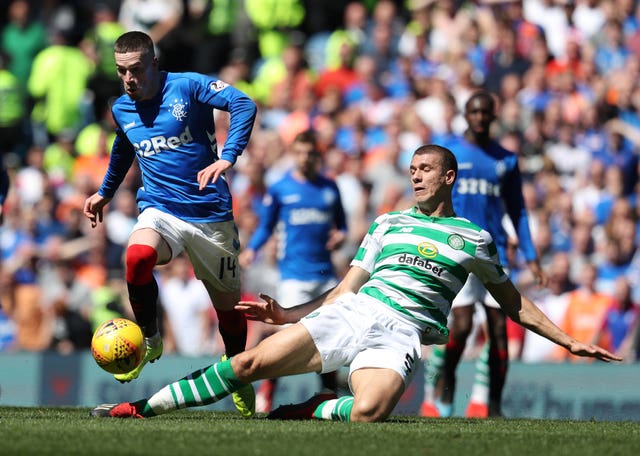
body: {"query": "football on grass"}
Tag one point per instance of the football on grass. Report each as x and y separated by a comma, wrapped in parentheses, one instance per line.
(118, 345)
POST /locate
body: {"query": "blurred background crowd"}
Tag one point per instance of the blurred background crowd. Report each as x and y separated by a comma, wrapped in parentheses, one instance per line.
(374, 79)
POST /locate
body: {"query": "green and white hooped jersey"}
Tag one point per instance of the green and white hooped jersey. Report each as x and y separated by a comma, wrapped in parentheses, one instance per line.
(419, 263)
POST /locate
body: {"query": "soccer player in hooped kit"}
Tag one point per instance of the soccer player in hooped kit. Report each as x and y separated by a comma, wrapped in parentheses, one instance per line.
(376, 318)
(165, 120)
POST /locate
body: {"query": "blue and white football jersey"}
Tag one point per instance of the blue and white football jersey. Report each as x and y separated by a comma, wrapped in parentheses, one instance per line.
(489, 184)
(304, 213)
(173, 137)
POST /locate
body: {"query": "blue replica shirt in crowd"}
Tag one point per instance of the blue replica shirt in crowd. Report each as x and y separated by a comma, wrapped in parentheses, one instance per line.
(304, 213)
(173, 137)
(489, 184)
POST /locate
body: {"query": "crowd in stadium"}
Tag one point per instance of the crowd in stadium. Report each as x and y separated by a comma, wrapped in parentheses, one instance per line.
(374, 79)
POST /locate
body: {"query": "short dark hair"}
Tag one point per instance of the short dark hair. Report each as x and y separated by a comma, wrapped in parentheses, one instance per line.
(306, 137)
(449, 161)
(483, 95)
(134, 41)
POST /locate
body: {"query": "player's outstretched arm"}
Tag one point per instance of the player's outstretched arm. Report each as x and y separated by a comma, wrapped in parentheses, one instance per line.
(524, 312)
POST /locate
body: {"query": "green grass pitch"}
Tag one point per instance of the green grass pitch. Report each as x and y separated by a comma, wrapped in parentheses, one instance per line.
(70, 431)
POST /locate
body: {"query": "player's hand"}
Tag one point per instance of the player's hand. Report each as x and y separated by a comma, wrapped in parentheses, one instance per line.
(268, 311)
(212, 172)
(93, 207)
(539, 277)
(336, 239)
(592, 351)
(246, 257)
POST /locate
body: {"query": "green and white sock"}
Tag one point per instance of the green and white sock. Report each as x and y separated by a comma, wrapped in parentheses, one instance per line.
(202, 387)
(432, 371)
(480, 389)
(335, 409)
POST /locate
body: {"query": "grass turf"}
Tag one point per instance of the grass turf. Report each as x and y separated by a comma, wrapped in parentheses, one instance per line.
(70, 431)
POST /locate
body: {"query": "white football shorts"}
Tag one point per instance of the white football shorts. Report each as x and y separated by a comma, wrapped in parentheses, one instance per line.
(473, 291)
(292, 292)
(363, 334)
(212, 247)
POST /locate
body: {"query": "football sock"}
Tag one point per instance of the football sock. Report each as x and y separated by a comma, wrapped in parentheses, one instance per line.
(499, 362)
(232, 325)
(202, 387)
(480, 388)
(453, 353)
(143, 299)
(335, 409)
(432, 371)
(329, 380)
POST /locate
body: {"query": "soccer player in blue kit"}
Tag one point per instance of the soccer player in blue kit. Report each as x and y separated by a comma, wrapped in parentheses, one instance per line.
(305, 209)
(488, 186)
(165, 120)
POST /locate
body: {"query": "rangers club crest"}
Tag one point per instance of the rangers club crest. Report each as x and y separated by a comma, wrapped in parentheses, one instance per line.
(178, 109)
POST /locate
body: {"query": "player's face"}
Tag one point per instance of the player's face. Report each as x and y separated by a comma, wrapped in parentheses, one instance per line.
(138, 73)
(307, 158)
(479, 115)
(428, 178)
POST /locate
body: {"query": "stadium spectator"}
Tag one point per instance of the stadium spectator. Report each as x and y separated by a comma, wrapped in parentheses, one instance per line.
(23, 37)
(97, 44)
(57, 82)
(553, 301)
(621, 320)
(159, 19)
(189, 325)
(585, 312)
(274, 21)
(66, 298)
(215, 23)
(611, 54)
(12, 115)
(119, 224)
(554, 20)
(504, 58)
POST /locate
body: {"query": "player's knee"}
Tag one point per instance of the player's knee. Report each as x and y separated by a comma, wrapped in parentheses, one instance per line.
(369, 410)
(499, 328)
(245, 366)
(140, 261)
(460, 330)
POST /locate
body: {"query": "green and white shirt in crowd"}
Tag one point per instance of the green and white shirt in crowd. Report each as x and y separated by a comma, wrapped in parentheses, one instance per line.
(419, 263)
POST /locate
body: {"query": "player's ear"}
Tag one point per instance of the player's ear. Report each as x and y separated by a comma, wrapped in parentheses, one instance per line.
(450, 177)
